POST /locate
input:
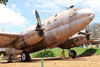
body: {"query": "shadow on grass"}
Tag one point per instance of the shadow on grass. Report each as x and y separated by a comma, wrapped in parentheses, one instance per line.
(88, 52)
(45, 54)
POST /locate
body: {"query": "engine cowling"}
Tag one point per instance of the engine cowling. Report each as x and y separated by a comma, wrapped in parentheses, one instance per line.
(32, 38)
(74, 42)
(10, 51)
(28, 39)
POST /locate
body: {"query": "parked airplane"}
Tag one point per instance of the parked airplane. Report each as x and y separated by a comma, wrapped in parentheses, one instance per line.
(56, 31)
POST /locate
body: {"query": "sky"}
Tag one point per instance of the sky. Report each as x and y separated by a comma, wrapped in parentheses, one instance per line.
(18, 15)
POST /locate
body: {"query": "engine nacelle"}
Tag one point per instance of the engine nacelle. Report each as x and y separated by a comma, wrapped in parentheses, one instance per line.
(32, 38)
(10, 51)
(29, 39)
(74, 42)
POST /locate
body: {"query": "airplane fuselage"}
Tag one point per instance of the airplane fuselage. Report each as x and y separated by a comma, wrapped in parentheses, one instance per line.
(56, 31)
(61, 26)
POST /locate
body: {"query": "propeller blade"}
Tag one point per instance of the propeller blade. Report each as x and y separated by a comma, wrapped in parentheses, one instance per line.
(37, 16)
(39, 27)
(38, 20)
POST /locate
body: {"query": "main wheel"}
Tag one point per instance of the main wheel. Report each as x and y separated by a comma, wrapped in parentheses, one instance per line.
(10, 58)
(72, 54)
(25, 57)
(9, 61)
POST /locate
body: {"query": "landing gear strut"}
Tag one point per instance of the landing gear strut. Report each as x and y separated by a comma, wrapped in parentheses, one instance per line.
(63, 55)
(72, 54)
(25, 57)
(10, 59)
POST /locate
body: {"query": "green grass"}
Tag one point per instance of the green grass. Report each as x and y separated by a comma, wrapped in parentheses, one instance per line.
(56, 52)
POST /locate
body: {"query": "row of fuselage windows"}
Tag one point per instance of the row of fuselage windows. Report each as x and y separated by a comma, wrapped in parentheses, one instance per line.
(72, 13)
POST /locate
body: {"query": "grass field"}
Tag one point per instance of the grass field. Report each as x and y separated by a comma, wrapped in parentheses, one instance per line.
(56, 52)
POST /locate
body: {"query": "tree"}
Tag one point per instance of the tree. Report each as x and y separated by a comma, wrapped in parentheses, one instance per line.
(4, 2)
(95, 30)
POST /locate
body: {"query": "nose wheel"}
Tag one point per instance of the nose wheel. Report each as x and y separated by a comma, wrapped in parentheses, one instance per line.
(25, 57)
(72, 54)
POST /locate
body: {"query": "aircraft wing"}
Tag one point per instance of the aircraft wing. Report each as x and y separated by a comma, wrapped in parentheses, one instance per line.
(6, 38)
(94, 40)
(74, 41)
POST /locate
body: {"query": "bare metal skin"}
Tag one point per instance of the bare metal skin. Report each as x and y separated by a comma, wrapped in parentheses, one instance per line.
(58, 32)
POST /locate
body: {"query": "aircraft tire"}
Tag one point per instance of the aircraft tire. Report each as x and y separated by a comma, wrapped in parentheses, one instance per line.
(9, 61)
(72, 54)
(25, 57)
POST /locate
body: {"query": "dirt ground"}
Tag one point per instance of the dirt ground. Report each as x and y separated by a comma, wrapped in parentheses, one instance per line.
(90, 61)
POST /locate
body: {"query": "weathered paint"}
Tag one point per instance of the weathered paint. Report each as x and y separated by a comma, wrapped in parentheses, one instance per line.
(74, 42)
(58, 29)
(57, 34)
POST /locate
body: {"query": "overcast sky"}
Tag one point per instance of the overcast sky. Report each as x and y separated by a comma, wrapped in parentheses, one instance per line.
(19, 14)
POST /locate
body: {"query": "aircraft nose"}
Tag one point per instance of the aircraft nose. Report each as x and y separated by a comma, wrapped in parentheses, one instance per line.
(91, 15)
(87, 12)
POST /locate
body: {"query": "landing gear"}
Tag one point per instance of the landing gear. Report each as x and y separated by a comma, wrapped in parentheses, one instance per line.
(63, 55)
(25, 57)
(10, 59)
(72, 54)
(45, 55)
